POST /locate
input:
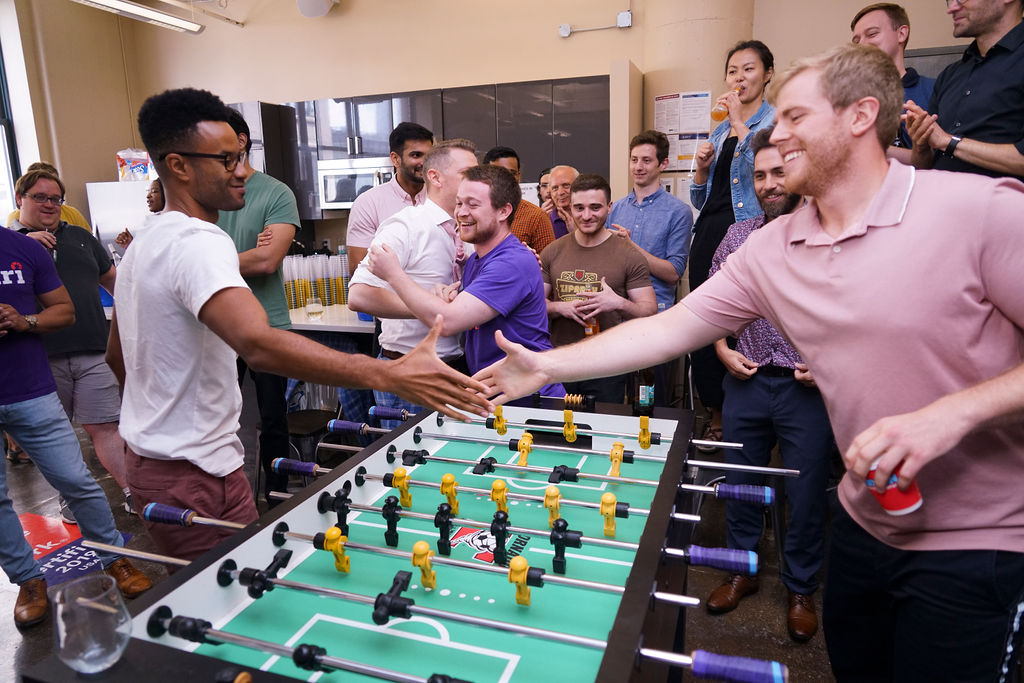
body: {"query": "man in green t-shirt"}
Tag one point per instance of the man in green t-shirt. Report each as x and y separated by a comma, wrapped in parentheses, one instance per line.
(269, 207)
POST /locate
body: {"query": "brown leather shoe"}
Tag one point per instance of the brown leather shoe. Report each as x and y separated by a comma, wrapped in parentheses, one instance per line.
(129, 580)
(802, 619)
(725, 598)
(32, 604)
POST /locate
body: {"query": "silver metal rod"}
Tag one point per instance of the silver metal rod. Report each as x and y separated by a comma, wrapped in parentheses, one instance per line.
(209, 521)
(459, 521)
(500, 442)
(711, 465)
(558, 430)
(138, 554)
(475, 566)
(717, 444)
(640, 512)
(339, 447)
(546, 470)
(682, 600)
(673, 658)
(682, 517)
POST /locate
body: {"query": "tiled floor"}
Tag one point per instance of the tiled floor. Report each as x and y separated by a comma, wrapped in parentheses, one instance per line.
(756, 629)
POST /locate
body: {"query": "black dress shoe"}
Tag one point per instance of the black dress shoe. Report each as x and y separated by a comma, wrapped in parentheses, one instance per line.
(32, 604)
(802, 620)
(728, 595)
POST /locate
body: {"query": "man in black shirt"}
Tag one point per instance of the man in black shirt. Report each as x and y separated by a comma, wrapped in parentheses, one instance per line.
(976, 122)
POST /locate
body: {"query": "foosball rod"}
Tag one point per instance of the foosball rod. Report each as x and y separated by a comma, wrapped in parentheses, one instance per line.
(137, 554)
(512, 445)
(169, 514)
(656, 437)
(754, 469)
(442, 560)
(309, 657)
(411, 457)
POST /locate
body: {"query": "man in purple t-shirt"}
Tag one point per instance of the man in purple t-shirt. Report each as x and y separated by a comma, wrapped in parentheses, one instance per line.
(33, 415)
(501, 289)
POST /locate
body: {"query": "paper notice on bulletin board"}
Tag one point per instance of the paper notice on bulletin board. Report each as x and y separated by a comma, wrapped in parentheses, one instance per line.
(666, 113)
(685, 117)
(682, 150)
(695, 112)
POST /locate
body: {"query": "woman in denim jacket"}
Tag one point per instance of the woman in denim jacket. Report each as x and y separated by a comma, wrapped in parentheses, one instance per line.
(724, 193)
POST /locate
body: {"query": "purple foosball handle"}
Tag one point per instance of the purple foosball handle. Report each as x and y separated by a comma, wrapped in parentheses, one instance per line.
(741, 669)
(385, 413)
(760, 495)
(737, 561)
(289, 466)
(168, 514)
(346, 427)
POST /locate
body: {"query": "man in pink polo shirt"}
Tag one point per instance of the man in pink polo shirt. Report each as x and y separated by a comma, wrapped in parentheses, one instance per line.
(901, 290)
(409, 143)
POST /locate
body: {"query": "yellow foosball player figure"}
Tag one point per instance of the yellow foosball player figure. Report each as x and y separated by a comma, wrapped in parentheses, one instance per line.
(499, 495)
(450, 489)
(645, 432)
(525, 445)
(569, 430)
(499, 422)
(400, 481)
(616, 455)
(421, 554)
(552, 496)
(608, 512)
(335, 543)
(517, 571)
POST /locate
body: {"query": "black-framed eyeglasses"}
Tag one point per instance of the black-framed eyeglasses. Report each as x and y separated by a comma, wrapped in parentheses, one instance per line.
(229, 160)
(40, 198)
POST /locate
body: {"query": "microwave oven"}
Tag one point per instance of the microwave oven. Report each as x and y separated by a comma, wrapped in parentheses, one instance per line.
(340, 181)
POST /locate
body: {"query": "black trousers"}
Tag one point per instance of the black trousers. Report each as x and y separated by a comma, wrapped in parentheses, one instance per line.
(270, 391)
(906, 616)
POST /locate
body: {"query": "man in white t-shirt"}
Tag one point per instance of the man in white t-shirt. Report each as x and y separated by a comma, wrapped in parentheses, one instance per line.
(429, 250)
(183, 312)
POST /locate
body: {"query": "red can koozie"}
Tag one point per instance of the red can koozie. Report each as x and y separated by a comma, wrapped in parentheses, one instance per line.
(894, 501)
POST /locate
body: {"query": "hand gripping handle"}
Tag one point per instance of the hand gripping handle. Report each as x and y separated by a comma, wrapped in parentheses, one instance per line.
(740, 669)
(168, 514)
(760, 495)
(345, 427)
(737, 561)
(289, 466)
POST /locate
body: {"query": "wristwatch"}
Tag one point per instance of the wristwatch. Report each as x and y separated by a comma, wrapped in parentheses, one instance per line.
(32, 321)
(954, 140)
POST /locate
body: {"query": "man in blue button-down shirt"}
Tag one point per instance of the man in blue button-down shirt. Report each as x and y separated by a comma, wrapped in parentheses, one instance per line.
(658, 224)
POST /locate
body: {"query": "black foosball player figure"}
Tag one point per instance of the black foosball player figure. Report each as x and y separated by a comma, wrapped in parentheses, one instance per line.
(499, 530)
(561, 538)
(389, 511)
(443, 521)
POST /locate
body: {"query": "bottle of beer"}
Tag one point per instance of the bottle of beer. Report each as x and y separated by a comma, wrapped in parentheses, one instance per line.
(643, 392)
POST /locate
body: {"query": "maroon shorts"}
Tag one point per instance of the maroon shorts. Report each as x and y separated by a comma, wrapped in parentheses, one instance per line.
(182, 484)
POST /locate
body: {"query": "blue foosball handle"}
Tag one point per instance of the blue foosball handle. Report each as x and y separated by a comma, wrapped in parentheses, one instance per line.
(289, 466)
(346, 427)
(736, 561)
(168, 514)
(760, 495)
(385, 413)
(739, 669)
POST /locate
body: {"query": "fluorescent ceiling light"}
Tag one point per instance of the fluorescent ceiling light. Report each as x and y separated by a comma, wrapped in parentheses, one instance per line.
(133, 10)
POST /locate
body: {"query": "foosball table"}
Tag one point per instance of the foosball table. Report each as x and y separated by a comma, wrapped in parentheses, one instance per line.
(535, 545)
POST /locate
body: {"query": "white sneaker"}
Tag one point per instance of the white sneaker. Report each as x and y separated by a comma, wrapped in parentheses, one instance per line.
(65, 512)
(129, 504)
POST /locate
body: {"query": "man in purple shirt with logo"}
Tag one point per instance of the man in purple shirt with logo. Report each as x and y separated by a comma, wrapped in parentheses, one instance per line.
(502, 289)
(770, 396)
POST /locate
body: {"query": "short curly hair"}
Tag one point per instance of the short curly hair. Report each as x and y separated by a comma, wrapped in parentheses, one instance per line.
(168, 121)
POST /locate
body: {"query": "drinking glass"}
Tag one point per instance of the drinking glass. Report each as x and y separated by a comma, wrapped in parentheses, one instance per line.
(91, 623)
(314, 308)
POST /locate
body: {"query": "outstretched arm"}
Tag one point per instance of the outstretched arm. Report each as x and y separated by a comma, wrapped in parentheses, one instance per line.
(639, 343)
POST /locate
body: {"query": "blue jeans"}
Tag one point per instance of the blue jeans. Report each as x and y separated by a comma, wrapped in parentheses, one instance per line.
(758, 412)
(40, 426)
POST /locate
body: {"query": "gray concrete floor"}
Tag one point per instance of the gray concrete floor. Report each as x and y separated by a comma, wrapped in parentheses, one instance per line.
(756, 629)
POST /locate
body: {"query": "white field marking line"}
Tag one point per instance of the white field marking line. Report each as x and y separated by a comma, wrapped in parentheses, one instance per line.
(588, 558)
(443, 639)
(403, 530)
(532, 485)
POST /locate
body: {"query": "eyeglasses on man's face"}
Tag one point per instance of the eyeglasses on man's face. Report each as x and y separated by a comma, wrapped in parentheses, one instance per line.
(40, 198)
(230, 160)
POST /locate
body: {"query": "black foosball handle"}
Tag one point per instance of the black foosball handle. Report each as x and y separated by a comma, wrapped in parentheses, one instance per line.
(290, 466)
(347, 427)
(739, 669)
(385, 413)
(168, 514)
(761, 495)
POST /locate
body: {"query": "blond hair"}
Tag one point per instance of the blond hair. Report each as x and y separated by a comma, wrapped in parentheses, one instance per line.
(849, 73)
